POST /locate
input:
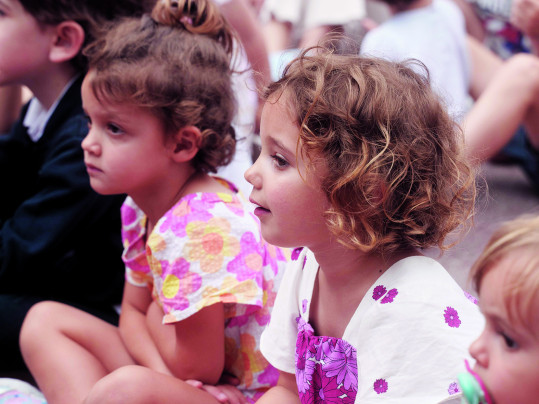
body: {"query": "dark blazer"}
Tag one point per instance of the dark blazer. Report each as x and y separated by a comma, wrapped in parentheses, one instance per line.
(59, 239)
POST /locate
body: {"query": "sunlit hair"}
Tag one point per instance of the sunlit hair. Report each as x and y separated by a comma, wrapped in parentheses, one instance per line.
(396, 173)
(519, 240)
(92, 15)
(176, 65)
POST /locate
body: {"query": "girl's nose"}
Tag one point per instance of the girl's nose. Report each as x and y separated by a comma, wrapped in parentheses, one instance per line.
(90, 145)
(253, 176)
(478, 351)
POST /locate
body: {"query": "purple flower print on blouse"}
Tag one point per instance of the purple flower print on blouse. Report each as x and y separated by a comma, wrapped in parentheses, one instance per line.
(304, 372)
(388, 298)
(453, 388)
(326, 390)
(342, 362)
(304, 305)
(295, 253)
(380, 386)
(470, 297)
(378, 292)
(452, 317)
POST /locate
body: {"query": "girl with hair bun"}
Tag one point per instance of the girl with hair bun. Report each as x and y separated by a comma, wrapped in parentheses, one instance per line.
(200, 280)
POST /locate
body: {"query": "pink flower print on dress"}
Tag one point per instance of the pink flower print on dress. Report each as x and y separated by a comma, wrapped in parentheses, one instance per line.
(178, 284)
(388, 298)
(380, 386)
(189, 209)
(248, 263)
(378, 292)
(209, 243)
(342, 362)
(452, 317)
(453, 388)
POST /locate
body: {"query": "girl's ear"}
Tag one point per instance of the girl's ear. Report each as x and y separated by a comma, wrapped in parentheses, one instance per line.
(67, 41)
(186, 144)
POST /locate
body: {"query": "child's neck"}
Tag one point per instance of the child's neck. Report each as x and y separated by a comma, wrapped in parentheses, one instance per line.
(50, 83)
(344, 278)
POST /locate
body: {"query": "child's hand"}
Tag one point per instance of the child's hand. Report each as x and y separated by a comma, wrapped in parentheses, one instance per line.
(225, 393)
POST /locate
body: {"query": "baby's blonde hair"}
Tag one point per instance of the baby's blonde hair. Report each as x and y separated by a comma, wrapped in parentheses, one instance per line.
(396, 173)
(518, 238)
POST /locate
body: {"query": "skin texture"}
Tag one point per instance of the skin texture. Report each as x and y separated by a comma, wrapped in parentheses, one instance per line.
(507, 352)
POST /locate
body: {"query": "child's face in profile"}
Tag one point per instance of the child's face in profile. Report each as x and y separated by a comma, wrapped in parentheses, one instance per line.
(24, 44)
(290, 203)
(507, 352)
(125, 150)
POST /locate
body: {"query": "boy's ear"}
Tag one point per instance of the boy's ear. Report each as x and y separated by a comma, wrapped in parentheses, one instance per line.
(186, 143)
(67, 41)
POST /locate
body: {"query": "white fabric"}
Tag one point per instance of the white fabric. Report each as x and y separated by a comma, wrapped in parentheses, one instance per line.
(37, 116)
(435, 35)
(314, 13)
(407, 342)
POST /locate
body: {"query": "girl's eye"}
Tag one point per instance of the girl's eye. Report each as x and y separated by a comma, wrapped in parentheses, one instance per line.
(279, 161)
(88, 121)
(511, 344)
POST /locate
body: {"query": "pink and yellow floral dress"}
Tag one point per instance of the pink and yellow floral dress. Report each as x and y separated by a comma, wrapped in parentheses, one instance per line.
(205, 250)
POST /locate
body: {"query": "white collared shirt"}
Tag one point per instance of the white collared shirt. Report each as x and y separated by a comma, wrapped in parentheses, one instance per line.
(37, 116)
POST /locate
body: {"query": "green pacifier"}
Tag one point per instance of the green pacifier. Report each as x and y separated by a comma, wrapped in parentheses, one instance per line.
(473, 389)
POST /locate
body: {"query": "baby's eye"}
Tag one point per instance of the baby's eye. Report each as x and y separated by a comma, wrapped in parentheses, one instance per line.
(279, 161)
(511, 344)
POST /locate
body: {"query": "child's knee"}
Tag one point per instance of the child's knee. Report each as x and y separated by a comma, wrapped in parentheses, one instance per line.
(35, 322)
(124, 385)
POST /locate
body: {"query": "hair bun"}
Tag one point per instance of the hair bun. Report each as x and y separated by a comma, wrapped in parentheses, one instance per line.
(196, 16)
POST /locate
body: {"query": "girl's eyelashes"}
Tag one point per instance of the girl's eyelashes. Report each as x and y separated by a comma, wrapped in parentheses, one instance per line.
(279, 161)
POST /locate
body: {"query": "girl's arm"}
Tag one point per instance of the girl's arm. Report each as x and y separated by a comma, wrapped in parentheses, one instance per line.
(193, 348)
(286, 391)
(134, 329)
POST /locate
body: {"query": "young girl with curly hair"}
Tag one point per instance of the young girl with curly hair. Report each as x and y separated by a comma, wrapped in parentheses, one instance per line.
(200, 281)
(362, 167)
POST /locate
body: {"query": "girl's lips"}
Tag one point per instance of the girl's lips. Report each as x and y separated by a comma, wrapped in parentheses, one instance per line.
(259, 211)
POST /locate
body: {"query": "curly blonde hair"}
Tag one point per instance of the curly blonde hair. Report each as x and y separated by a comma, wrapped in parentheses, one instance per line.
(175, 64)
(396, 173)
(519, 236)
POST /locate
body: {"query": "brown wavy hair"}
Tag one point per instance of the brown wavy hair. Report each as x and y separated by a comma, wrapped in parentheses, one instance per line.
(91, 15)
(175, 64)
(519, 236)
(396, 172)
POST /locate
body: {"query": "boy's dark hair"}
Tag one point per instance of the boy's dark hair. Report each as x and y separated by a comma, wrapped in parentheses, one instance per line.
(90, 14)
(396, 172)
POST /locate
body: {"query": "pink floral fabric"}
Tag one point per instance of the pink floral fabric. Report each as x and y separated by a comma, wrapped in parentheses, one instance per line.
(326, 367)
(205, 250)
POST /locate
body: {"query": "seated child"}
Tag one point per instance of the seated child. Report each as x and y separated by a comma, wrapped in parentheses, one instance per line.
(200, 281)
(59, 239)
(506, 276)
(362, 167)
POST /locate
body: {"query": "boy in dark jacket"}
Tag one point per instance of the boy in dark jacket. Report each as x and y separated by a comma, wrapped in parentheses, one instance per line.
(59, 240)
